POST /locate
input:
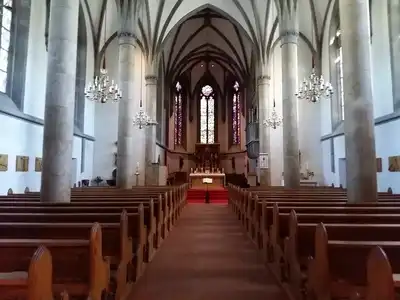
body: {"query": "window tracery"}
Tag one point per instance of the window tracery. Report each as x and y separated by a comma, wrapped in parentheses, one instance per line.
(236, 119)
(207, 115)
(178, 115)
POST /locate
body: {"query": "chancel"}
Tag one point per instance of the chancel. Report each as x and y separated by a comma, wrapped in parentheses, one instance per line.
(123, 119)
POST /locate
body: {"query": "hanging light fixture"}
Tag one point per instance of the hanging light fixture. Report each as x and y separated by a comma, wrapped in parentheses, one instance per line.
(313, 88)
(103, 90)
(274, 120)
(141, 119)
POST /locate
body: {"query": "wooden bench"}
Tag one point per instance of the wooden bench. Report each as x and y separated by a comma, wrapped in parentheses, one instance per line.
(300, 246)
(154, 219)
(282, 224)
(339, 268)
(381, 281)
(33, 281)
(116, 245)
(78, 265)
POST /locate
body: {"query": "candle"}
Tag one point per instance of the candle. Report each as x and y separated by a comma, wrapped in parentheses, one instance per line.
(137, 165)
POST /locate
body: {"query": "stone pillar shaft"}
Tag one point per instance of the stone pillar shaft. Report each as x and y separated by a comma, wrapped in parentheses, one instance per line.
(291, 165)
(263, 100)
(152, 175)
(60, 99)
(358, 105)
(151, 105)
(125, 152)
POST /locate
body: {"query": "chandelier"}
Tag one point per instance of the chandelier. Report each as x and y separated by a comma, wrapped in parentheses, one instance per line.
(274, 120)
(102, 90)
(314, 88)
(141, 119)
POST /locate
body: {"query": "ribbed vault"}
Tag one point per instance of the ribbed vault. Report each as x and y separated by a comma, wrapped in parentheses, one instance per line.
(209, 38)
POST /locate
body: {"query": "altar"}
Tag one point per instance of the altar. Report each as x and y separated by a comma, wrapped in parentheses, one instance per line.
(208, 173)
(207, 180)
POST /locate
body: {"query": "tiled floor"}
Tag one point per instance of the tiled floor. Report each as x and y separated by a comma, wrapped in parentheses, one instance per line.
(207, 257)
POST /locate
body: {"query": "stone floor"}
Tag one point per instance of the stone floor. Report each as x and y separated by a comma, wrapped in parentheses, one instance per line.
(207, 257)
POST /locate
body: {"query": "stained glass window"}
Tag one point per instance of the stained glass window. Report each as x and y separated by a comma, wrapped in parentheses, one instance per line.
(5, 17)
(236, 115)
(178, 114)
(207, 115)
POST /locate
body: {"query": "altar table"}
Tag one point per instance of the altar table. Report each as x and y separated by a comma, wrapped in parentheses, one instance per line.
(196, 180)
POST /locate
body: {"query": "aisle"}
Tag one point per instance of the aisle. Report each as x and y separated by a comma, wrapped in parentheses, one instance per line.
(207, 257)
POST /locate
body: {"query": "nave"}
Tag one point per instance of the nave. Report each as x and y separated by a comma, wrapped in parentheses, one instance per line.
(207, 256)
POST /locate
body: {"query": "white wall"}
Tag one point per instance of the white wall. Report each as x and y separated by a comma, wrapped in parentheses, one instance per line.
(309, 133)
(21, 137)
(106, 119)
(385, 134)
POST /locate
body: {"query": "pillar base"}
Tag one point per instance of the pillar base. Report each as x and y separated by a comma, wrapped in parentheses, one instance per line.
(156, 175)
(265, 177)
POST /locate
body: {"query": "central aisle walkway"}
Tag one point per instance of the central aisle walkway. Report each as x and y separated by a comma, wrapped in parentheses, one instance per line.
(207, 257)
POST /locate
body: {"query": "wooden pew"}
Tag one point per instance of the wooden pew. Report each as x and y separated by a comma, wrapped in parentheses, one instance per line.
(116, 245)
(334, 209)
(166, 210)
(153, 219)
(339, 268)
(78, 265)
(380, 278)
(136, 228)
(32, 282)
(299, 245)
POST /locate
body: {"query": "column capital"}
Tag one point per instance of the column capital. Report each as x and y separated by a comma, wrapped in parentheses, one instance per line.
(263, 79)
(151, 79)
(289, 37)
(127, 37)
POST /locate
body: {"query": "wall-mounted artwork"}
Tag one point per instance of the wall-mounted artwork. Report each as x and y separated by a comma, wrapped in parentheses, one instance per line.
(38, 164)
(3, 162)
(22, 164)
(394, 164)
(379, 164)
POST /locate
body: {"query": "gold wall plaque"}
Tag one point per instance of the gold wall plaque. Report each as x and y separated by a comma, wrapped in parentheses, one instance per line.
(394, 164)
(38, 164)
(3, 162)
(22, 164)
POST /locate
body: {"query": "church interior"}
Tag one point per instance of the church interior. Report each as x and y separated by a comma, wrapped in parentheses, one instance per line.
(178, 149)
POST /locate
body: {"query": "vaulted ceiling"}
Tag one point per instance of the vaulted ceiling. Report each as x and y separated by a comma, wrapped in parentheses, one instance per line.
(229, 31)
(208, 37)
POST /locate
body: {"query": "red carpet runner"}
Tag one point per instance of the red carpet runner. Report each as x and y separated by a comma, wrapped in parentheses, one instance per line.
(216, 196)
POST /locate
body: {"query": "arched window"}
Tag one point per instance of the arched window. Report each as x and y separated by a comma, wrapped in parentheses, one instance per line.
(207, 115)
(394, 38)
(178, 115)
(339, 71)
(236, 108)
(5, 38)
(336, 70)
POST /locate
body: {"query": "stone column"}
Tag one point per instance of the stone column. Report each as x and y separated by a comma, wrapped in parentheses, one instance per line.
(358, 105)
(125, 149)
(151, 132)
(289, 34)
(394, 35)
(263, 101)
(60, 99)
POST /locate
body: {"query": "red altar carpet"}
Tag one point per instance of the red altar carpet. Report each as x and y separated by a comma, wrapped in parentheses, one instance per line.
(217, 196)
